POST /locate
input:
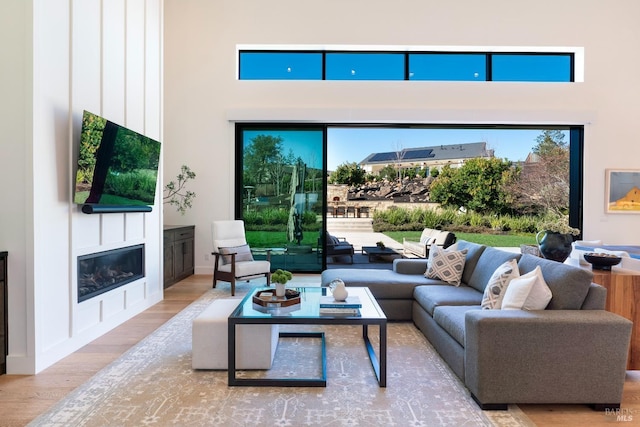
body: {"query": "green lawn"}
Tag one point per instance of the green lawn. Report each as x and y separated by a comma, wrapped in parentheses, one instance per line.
(497, 240)
(275, 239)
(272, 239)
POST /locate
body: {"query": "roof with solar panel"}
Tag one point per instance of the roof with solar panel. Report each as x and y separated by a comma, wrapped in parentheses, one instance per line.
(426, 154)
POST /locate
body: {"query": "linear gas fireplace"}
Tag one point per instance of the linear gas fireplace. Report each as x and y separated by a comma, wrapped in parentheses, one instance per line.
(103, 271)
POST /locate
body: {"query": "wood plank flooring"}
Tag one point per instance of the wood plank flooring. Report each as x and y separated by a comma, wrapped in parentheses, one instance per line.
(23, 398)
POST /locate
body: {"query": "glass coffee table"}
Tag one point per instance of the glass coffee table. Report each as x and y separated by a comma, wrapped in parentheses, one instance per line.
(307, 312)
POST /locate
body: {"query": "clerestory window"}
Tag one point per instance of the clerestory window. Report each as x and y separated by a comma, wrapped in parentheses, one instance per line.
(512, 66)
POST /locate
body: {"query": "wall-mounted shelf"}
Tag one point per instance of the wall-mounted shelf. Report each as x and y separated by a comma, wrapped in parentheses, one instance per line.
(99, 209)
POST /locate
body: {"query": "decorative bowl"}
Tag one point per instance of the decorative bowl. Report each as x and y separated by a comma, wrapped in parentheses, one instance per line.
(602, 261)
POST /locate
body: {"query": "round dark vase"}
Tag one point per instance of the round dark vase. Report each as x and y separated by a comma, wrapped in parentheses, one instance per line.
(555, 246)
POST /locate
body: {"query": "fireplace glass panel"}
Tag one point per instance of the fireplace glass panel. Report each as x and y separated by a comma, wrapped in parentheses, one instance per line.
(103, 271)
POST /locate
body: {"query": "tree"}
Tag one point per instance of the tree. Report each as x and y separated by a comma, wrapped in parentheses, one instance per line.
(542, 184)
(388, 172)
(400, 152)
(348, 173)
(477, 186)
(548, 142)
(103, 157)
(263, 160)
(92, 129)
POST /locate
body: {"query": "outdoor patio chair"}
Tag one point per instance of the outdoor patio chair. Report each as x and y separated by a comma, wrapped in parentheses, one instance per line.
(233, 259)
(337, 246)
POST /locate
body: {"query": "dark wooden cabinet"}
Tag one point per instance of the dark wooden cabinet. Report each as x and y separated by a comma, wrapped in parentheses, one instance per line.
(623, 298)
(4, 330)
(178, 252)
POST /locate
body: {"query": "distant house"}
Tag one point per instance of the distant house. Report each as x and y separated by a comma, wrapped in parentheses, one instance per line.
(427, 157)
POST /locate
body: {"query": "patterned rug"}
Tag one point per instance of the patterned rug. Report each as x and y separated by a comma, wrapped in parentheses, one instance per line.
(153, 385)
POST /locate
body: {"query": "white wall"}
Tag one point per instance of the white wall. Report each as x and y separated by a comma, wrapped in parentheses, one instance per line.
(15, 168)
(203, 96)
(105, 57)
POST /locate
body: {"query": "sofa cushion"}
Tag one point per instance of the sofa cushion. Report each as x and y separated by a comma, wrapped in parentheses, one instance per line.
(383, 284)
(489, 261)
(432, 296)
(427, 235)
(443, 239)
(474, 251)
(497, 285)
(446, 265)
(451, 319)
(527, 292)
(569, 285)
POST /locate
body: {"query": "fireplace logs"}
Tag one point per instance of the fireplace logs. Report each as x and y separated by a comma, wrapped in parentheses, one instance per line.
(103, 271)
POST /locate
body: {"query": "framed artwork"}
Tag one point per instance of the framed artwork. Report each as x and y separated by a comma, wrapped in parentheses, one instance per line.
(623, 191)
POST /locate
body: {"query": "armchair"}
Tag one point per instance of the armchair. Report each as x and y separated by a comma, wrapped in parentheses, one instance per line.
(428, 237)
(233, 259)
(337, 246)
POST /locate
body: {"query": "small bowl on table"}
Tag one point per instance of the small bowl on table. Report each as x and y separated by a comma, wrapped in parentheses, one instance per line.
(602, 261)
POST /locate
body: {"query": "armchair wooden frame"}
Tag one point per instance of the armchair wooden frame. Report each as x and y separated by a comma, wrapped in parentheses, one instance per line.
(233, 259)
(230, 276)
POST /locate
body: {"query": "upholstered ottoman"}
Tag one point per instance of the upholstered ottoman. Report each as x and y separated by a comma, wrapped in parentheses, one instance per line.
(255, 344)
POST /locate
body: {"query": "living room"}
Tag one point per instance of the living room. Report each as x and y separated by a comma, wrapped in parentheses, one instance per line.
(168, 68)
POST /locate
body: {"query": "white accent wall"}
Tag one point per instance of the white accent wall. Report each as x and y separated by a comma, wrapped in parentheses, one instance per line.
(203, 97)
(60, 57)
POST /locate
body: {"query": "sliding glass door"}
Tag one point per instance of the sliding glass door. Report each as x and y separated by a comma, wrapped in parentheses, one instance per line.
(280, 184)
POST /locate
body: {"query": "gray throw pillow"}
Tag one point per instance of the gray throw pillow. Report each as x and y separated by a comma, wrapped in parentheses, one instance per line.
(446, 265)
(243, 253)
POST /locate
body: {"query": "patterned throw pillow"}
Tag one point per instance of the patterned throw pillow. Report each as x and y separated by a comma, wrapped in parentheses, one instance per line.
(243, 253)
(446, 265)
(497, 285)
(527, 292)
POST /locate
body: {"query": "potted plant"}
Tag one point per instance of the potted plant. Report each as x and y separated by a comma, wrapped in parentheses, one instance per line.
(557, 237)
(280, 278)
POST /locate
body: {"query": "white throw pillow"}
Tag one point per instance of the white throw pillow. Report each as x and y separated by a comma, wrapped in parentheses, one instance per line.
(497, 285)
(527, 292)
(243, 253)
(446, 265)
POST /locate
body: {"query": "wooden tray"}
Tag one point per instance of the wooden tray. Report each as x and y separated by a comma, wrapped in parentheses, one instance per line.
(262, 298)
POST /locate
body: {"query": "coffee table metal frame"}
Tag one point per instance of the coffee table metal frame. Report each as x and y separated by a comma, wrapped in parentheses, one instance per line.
(376, 252)
(370, 305)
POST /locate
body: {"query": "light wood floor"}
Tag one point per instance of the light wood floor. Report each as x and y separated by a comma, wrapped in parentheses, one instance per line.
(23, 398)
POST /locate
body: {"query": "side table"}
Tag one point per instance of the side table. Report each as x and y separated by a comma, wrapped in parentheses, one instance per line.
(623, 298)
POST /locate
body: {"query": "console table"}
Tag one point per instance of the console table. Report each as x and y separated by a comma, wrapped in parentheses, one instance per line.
(623, 298)
(178, 253)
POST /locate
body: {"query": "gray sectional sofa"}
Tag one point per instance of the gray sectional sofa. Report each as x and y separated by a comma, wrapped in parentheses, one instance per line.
(573, 352)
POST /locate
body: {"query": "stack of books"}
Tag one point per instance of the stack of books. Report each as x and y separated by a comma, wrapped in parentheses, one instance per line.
(350, 307)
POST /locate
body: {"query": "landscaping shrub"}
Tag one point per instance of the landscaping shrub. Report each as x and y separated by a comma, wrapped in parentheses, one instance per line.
(274, 219)
(401, 219)
(136, 185)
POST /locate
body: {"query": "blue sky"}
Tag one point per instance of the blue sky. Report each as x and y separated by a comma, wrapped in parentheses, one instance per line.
(354, 144)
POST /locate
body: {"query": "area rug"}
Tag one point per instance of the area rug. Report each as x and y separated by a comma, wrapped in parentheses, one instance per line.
(153, 385)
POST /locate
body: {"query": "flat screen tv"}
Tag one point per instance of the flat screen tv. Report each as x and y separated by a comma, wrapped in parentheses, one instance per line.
(117, 167)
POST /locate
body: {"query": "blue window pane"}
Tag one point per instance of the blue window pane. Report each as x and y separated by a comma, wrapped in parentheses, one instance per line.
(531, 68)
(280, 66)
(438, 66)
(364, 66)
